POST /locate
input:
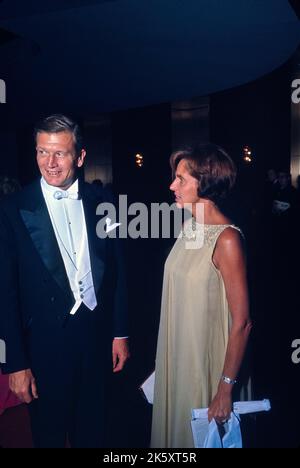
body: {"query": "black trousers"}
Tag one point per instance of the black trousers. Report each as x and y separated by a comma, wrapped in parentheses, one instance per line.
(73, 382)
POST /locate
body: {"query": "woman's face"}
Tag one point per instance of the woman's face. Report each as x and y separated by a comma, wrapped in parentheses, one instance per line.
(184, 186)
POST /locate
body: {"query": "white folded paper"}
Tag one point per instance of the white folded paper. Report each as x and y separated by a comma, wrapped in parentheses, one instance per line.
(230, 436)
(148, 388)
(201, 428)
(240, 407)
(244, 407)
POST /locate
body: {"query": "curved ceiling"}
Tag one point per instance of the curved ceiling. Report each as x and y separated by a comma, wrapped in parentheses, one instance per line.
(94, 56)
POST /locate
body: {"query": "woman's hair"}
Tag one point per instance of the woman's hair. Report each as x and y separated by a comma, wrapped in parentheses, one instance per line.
(211, 166)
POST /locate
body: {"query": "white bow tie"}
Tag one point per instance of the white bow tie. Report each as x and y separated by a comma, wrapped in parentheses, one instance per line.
(59, 194)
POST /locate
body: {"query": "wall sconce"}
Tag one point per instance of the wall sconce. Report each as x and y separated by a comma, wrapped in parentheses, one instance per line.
(139, 160)
(247, 154)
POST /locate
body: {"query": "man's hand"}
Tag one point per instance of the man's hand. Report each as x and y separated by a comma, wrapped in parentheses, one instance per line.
(23, 385)
(120, 353)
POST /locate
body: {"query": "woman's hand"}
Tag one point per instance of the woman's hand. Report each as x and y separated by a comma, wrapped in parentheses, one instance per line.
(221, 406)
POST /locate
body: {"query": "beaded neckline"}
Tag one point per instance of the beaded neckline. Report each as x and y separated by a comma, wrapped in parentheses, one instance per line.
(192, 230)
(216, 225)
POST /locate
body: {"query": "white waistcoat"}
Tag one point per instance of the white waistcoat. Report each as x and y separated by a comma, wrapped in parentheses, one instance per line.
(68, 221)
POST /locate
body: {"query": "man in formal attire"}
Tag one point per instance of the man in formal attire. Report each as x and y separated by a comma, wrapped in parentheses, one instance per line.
(63, 314)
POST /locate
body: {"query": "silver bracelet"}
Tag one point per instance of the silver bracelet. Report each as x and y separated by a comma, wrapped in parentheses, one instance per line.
(228, 380)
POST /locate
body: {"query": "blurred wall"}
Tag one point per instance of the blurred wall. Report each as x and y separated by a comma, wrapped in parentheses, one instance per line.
(8, 154)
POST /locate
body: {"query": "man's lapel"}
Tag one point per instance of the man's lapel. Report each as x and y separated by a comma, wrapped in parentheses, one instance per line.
(97, 247)
(36, 218)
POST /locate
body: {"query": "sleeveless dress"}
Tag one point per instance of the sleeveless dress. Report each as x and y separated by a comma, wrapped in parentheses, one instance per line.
(193, 335)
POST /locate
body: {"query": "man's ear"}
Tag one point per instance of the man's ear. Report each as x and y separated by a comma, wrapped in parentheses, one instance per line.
(81, 157)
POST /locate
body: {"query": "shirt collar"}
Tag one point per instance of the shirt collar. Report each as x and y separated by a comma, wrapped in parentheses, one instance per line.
(51, 190)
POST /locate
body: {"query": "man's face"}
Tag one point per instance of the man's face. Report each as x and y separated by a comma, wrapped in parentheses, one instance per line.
(57, 158)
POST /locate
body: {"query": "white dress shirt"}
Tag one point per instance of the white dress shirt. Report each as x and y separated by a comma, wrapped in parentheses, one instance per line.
(68, 221)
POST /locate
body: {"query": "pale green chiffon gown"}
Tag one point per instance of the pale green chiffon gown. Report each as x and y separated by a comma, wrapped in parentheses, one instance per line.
(193, 335)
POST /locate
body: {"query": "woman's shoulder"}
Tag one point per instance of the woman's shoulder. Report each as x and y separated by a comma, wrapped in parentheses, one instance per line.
(230, 233)
(229, 247)
(230, 238)
(221, 234)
